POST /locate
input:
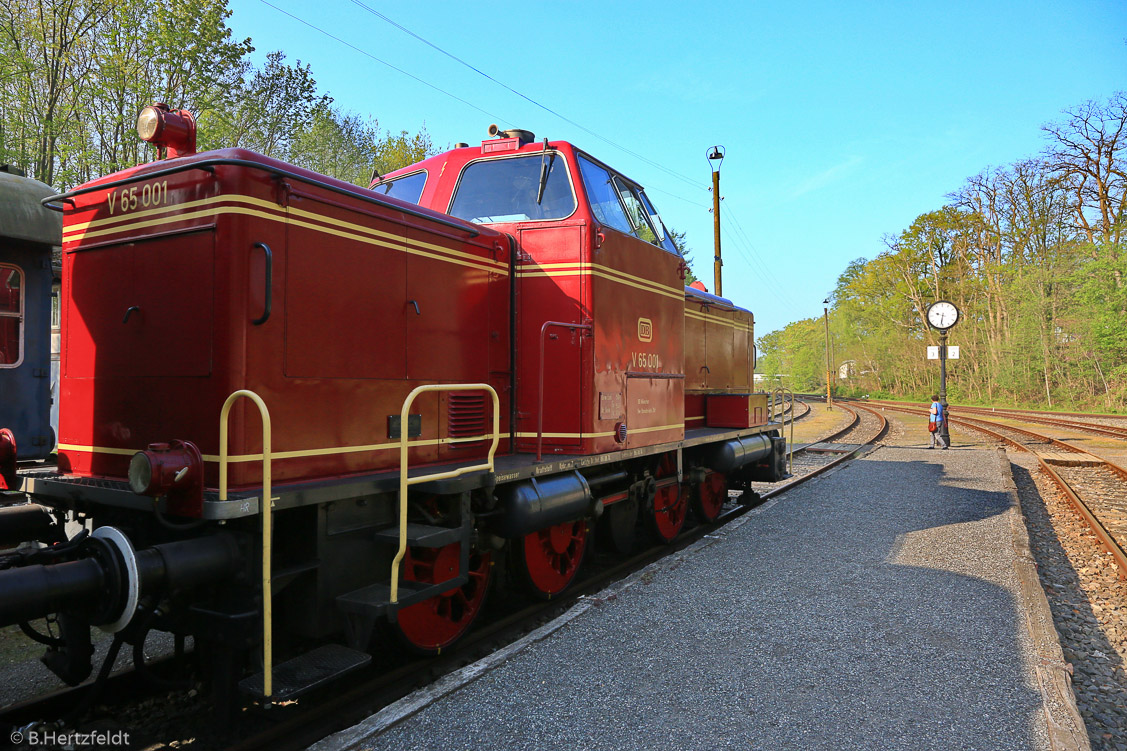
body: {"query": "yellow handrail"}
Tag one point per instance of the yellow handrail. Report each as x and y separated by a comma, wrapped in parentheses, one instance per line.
(782, 392)
(404, 481)
(267, 529)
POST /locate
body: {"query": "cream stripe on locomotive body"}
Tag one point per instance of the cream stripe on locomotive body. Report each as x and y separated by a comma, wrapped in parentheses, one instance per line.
(280, 455)
(208, 208)
(560, 270)
(219, 205)
(716, 320)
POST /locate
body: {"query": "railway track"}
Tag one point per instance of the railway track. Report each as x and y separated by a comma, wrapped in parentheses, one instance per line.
(865, 427)
(791, 412)
(299, 724)
(1096, 487)
(1101, 429)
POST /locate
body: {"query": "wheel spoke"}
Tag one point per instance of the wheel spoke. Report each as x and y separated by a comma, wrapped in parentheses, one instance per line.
(547, 560)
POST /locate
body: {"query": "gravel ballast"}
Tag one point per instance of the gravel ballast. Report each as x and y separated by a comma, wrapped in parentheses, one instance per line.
(879, 606)
(1088, 601)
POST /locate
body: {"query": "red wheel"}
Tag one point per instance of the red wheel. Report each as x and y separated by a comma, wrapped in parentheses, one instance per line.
(433, 624)
(709, 497)
(549, 559)
(668, 514)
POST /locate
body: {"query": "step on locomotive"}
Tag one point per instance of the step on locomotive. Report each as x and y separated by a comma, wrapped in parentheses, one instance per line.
(297, 414)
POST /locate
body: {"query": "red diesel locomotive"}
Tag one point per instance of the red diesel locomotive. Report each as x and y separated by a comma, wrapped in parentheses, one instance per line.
(473, 362)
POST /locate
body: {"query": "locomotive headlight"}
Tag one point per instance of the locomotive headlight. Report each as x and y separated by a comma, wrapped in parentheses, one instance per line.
(172, 470)
(140, 473)
(149, 123)
(165, 128)
(165, 466)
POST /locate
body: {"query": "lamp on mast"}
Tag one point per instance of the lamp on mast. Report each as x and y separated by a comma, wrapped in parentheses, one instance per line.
(829, 366)
(715, 158)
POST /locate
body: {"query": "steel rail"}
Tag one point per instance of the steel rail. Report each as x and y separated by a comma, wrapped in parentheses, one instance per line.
(974, 423)
(1025, 411)
(1036, 417)
(845, 455)
(1109, 430)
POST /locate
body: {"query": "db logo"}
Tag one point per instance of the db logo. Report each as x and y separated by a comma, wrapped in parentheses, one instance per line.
(645, 330)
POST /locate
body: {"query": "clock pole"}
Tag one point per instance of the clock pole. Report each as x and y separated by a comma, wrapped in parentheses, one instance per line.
(942, 315)
(945, 432)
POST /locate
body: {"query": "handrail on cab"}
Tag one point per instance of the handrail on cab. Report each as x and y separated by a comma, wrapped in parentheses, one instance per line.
(405, 481)
(267, 527)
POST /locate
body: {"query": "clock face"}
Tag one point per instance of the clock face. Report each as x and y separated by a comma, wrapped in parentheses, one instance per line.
(942, 315)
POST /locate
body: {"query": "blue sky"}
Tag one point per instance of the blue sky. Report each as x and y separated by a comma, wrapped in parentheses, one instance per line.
(842, 121)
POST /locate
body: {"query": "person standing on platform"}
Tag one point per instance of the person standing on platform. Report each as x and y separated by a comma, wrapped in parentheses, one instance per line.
(937, 415)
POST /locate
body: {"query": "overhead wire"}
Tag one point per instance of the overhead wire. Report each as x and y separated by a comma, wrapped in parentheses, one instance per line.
(757, 267)
(396, 68)
(745, 239)
(494, 116)
(652, 189)
(739, 238)
(529, 99)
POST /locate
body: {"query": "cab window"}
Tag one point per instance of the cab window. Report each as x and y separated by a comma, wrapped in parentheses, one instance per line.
(636, 211)
(509, 190)
(11, 316)
(407, 188)
(603, 196)
(664, 239)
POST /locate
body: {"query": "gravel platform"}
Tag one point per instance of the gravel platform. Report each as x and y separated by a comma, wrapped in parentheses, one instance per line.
(904, 616)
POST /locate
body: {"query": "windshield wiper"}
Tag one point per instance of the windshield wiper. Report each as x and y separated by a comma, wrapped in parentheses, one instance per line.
(545, 168)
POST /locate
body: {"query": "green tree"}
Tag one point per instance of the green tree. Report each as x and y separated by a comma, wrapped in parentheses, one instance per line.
(1031, 253)
(349, 147)
(402, 149)
(45, 49)
(74, 74)
(686, 252)
(272, 108)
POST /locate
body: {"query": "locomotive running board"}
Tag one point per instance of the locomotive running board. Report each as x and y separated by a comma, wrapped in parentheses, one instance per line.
(363, 607)
(49, 484)
(306, 672)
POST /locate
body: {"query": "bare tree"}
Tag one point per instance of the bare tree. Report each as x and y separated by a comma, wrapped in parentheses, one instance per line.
(1087, 150)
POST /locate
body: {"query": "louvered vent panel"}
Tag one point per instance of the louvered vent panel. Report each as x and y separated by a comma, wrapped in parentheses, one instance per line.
(467, 417)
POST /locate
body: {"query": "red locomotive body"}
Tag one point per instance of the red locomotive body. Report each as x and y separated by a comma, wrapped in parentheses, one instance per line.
(529, 270)
(719, 352)
(185, 287)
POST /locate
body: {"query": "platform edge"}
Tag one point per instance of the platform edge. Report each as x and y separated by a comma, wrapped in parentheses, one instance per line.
(1065, 725)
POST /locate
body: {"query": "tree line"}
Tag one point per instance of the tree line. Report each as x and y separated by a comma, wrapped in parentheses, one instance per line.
(74, 74)
(1032, 253)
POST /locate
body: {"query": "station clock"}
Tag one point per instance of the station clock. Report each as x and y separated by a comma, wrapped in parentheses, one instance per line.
(942, 314)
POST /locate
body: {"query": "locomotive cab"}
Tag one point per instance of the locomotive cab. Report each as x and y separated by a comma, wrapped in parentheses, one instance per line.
(598, 294)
